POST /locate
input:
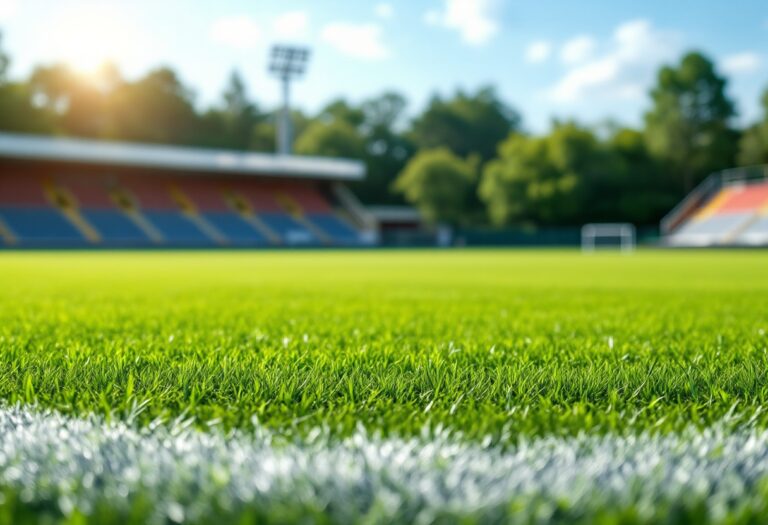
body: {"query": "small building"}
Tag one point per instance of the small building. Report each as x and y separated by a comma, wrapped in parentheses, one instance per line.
(402, 226)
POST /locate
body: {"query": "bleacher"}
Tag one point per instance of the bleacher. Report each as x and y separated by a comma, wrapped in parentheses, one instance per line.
(54, 204)
(732, 213)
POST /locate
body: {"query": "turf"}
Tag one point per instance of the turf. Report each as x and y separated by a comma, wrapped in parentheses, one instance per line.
(492, 345)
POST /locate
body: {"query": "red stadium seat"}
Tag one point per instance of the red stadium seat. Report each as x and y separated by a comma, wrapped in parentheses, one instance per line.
(206, 195)
(260, 195)
(89, 191)
(308, 197)
(745, 198)
(22, 189)
(151, 193)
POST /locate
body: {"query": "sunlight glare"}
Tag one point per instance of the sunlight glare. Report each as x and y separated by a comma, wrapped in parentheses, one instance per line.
(92, 35)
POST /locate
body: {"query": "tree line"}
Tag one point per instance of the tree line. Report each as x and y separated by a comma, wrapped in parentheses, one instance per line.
(464, 160)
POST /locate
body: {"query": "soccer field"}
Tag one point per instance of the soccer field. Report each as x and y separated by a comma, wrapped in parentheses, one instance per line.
(380, 386)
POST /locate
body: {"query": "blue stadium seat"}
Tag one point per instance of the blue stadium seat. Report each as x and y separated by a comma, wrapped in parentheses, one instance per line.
(756, 233)
(234, 228)
(288, 228)
(335, 227)
(710, 230)
(177, 229)
(114, 227)
(36, 225)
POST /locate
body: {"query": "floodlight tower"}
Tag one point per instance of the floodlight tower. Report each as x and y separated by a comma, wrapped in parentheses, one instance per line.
(287, 63)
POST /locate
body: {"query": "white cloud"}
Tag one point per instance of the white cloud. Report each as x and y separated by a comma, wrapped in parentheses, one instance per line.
(384, 10)
(538, 52)
(240, 32)
(291, 25)
(624, 71)
(741, 63)
(578, 49)
(475, 20)
(356, 40)
(7, 9)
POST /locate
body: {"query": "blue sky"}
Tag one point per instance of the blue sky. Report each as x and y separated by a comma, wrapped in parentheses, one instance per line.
(590, 60)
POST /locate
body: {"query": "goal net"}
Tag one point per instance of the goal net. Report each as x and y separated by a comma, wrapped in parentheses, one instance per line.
(612, 235)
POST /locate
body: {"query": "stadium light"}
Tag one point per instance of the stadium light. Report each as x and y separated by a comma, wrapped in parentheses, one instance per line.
(287, 63)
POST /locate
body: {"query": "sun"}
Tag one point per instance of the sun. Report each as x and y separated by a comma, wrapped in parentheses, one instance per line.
(90, 35)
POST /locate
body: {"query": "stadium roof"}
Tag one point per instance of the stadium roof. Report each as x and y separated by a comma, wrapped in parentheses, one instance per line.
(177, 158)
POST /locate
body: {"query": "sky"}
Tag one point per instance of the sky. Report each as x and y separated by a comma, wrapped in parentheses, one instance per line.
(591, 60)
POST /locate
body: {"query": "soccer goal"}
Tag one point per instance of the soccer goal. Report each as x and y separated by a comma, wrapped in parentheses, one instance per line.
(612, 235)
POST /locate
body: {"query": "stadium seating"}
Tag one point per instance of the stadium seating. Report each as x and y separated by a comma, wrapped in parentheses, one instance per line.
(66, 191)
(207, 198)
(69, 209)
(736, 215)
(28, 217)
(339, 230)
(756, 233)
(288, 228)
(115, 227)
(237, 231)
(38, 226)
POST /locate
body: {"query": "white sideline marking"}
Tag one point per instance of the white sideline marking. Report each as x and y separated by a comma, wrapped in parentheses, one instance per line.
(78, 462)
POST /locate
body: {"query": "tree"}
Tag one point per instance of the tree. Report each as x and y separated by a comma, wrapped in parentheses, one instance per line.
(80, 102)
(367, 132)
(333, 139)
(384, 112)
(157, 108)
(341, 111)
(465, 124)
(646, 192)
(753, 148)
(566, 177)
(5, 62)
(263, 136)
(688, 126)
(17, 112)
(233, 124)
(440, 185)
(387, 150)
(241, 114)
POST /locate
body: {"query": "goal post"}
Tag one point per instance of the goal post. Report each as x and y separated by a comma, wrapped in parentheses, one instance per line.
(605, 235)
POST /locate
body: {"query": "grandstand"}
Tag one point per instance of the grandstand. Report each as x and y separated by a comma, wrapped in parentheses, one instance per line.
(68, 193)
(728, 209)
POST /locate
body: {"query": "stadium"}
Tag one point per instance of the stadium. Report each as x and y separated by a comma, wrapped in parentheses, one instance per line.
(68, 193)
(520, 283)
(74, 193)
(727, 209)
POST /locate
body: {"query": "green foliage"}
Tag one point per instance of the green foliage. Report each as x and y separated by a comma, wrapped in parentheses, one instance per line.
(645, 192)
(465, 124)
(486, 343)
(570, 176)
(18, 114)
(366, 132)
(234, 125)
(565, 177)
(688, 125)
(440, 184)
(341, 111)
(754, 143)
(157, 108)
(333, 139)
(5, 61)
(387, 148)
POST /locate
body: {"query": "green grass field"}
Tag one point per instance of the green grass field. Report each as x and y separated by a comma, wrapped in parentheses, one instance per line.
(477, 349)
